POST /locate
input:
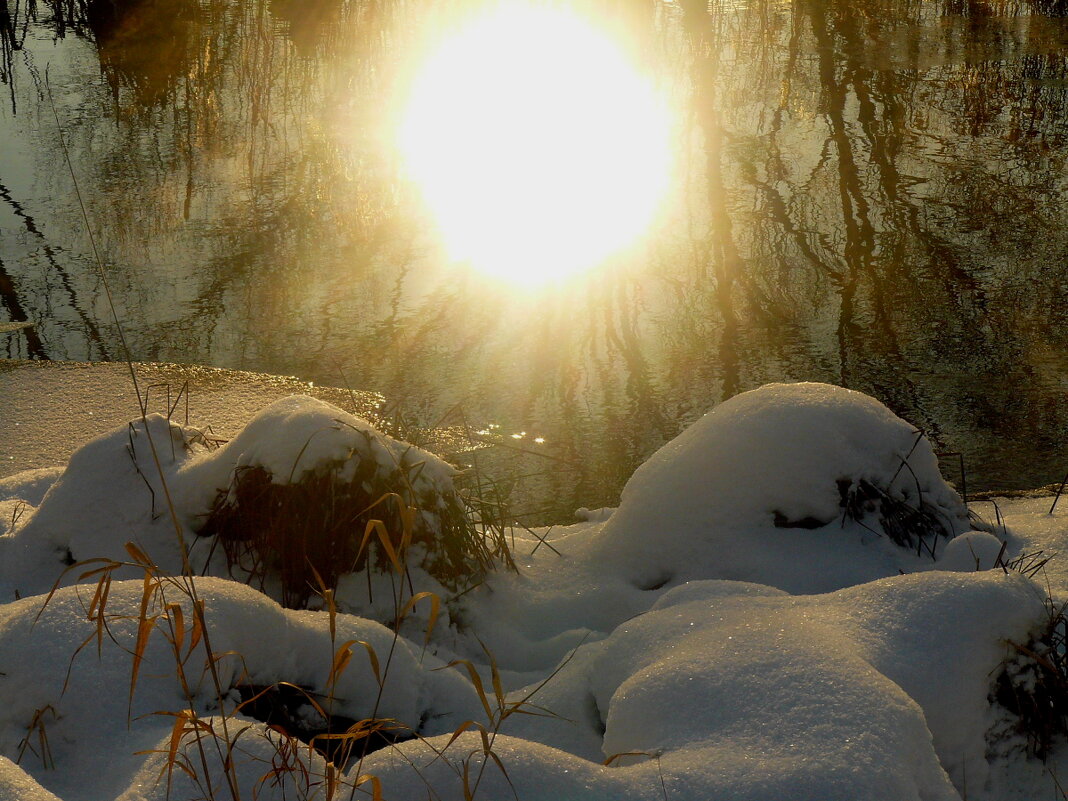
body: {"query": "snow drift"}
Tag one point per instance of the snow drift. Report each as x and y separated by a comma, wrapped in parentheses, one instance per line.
(738, 628)
(289, 496)
(780, 486)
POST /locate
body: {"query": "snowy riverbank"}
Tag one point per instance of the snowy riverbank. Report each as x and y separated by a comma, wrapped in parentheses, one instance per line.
(789, 602)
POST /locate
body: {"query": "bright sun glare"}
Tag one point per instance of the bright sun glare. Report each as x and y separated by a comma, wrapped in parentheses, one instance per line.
(539, 149)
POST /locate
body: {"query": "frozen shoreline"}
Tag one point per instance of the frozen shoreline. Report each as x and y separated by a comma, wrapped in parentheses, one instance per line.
(48, 409)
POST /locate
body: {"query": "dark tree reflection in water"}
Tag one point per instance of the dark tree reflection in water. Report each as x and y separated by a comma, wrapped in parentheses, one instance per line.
(869, 193)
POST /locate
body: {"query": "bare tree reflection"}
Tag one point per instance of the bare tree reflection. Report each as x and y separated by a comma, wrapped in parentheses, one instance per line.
(870, 193)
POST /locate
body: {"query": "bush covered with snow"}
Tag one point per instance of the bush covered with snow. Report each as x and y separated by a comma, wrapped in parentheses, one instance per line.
(289, 502)
(767, 485)
(68, 674)
(311, 493)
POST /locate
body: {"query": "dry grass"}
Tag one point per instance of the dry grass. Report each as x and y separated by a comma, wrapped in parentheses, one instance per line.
(348, 520)
(202, 748)
(346, 517)
(36, 739)
(917, 526)
(1033, 685)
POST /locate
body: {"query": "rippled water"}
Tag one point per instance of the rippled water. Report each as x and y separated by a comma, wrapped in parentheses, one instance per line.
(867, 193)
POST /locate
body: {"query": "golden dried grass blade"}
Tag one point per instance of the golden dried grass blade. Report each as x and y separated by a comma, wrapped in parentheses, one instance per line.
(97, 608)
(328, 599)
(368, 530)
(498, 687)
(468, 796)
(503, 770)
(331, 611)
(435, 609)
(372, 656)
(331, 781)
(608, 762)
(144, 629)
(254, 698)
(198, 628)
(387, 544)
(342, 657)
(467, 724)
(178, 731)
(177, 618)
(476, 680)
(376, 785)
(139, 556)
(96, 571)
(109, 564)
(97, 598)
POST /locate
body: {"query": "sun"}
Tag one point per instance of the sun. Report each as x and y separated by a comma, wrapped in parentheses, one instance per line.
(539, 148)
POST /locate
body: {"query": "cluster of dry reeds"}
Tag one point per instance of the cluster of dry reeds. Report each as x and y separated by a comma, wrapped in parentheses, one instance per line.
(918, 526)
(1033, 685)
(202, 747)
(301, 530)
(346, 517)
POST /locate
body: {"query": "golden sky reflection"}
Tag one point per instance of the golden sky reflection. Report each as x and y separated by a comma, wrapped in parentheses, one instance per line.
(538, 147)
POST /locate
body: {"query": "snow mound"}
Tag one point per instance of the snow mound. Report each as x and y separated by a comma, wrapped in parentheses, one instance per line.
(29, 486)
(535, 772)
(110, 493)
(257, 644)
(973, 550)
(291, 492)
(17, 785)
(750, 693)
(263, 765)
(298, 434)
(777, 472)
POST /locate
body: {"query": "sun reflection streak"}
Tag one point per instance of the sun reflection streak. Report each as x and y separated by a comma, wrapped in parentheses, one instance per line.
(540, 150)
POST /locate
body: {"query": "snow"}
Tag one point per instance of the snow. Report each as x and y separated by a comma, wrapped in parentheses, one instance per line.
(17, 785)
(869, 674)
(258, 643)
(712, 495)
(47, 409)
(294, 435)
(727, 632)
(973, 550)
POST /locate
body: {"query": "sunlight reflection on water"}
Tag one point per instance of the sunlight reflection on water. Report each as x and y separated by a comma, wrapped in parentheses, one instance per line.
(870, 194)
(536, 168)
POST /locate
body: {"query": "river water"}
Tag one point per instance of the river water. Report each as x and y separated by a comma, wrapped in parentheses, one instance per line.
(866, 192)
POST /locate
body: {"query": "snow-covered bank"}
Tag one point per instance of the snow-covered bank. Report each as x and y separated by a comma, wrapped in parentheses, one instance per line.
(48, 409)
(786, 604)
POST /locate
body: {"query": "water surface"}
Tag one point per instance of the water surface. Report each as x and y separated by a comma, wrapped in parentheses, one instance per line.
(867, 193)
